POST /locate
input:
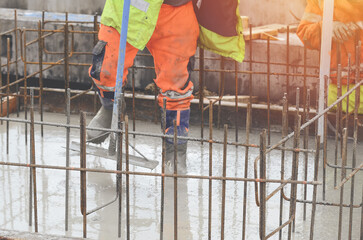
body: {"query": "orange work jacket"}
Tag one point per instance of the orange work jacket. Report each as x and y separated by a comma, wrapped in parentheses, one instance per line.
(345, 11)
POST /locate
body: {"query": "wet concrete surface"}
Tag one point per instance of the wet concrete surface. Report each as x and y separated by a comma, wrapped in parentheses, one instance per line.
(145, 190)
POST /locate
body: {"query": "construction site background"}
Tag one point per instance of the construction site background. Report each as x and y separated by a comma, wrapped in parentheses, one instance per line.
(260, 12)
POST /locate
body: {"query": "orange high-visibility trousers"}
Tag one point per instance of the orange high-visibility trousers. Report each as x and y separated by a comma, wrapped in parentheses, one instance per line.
(173, 42)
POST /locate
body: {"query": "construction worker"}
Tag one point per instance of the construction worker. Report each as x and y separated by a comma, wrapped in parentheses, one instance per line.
(347, 32)
(170, 30)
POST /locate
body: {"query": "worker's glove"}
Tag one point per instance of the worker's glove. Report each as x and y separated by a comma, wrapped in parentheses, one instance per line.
(342, 32)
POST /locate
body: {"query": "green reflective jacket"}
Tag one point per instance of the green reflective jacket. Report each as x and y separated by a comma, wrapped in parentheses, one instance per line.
(220, 24)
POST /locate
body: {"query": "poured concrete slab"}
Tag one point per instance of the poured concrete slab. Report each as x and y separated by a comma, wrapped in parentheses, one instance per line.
(145, 190)
(17, 235)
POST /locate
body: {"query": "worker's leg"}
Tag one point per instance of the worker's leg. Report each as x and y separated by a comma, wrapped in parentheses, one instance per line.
(103, 73)
(173, 43)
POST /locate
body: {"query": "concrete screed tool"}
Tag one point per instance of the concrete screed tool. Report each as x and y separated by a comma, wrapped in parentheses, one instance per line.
(111, 152)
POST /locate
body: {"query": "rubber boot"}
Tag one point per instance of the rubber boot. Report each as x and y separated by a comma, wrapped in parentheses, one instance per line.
(102, 119)
(182, 120)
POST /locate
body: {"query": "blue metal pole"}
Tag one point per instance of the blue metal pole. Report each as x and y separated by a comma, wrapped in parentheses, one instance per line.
(120, 72)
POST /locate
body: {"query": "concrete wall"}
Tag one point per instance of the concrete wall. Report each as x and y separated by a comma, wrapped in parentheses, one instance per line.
(71, 6)
(260, 12)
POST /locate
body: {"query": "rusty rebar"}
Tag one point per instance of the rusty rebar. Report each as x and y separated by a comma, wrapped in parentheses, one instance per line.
(284, 133)
(220, 91)
(83, 175)
(210, 170)
(119, 172)
(306, 117)
(32, 154)
(248, 129)
(127, 178)
(16, 61)
(68, 132)
(225, 134)
(7, 93)
(66, 56)
(40, 53)
(25, 89)
(236, 99)
(163, 156)
(268, 94)
(337, 121)
(325, 137)
(343, 171)
(175, 142)
(294, 173)
(201, 90)
(316, 169)
(120, 118)
(262, 209)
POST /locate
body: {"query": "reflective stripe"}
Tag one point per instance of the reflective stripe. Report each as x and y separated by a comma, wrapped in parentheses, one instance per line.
(140, 4)
(175, 95)
(360, 24)
(109, 89)
(311, 17)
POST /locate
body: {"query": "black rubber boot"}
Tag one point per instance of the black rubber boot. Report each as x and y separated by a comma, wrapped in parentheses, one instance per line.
(182, 119)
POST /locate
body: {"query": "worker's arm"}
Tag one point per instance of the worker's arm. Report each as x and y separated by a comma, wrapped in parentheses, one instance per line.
(309, 30)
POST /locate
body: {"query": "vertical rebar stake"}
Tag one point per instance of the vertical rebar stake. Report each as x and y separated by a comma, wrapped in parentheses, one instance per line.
(119, 164)
(66, 57)
(287, 63)
(355, 134)
(316, 170)
(25, 88)
(220, 91)
(283, 135)
(68, 131)
(175, 181)
(163, 120)
(236, 98)
(325, 137)
(127, 178)
(95, 39)
(7, 94)
(268, 93)
(294, 173)
(201, 90)
(262, 212)
(16, 62)
(133, 101)
(306, 145)
(337, 121)
(248, 128)
(40, 53)
(343, 171)
(83, 172)
(224, 180)
(348, 85)
(32, 151)
(210, 170)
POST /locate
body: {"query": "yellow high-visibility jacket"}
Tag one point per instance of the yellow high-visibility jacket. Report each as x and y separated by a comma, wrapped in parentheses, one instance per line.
(219, 21)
